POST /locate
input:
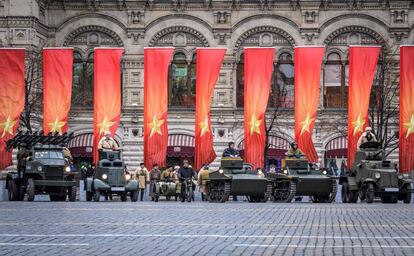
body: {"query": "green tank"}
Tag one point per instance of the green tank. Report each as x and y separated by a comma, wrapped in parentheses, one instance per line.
(110, 178)
(370, 176)
(301, 178)
(234, 177)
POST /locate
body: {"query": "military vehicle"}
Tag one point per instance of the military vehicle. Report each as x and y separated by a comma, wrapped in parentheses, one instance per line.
(301, 178)
(237, 178)
(370, 176)
(167, 188)
(110, 177)
(43, 169)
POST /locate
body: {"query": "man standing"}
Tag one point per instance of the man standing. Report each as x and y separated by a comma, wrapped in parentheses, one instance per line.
(142, 176)
(203, 177)
(155, 176)
(367, 136)
(22, 154)
(184, 173)
(231, 151)
(107, 142)
(294, 151)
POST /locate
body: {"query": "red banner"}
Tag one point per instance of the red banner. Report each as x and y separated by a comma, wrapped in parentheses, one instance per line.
(209, 62)
(12, 97)
(406, 109)
(156, 62)
(107, 93)
(362, 64)
(308, 63)
(258, 66)
(57, 88)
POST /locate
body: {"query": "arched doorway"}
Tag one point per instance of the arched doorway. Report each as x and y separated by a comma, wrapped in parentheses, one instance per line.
(180, 147)
(278, 147)
(336, 153)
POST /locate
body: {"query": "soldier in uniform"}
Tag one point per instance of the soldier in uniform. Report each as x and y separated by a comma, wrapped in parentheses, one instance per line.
(294, 151)
(155, 176)
(203, 177)
(107, 142)
(22, 154)
(367, 136)
(169, 175)
(231, 151)
(66, 154)
(142, 176)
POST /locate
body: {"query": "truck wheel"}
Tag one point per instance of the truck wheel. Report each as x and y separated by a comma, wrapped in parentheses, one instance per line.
(406, 194)
(353, 196)
(89, 196)
(134, 196)
(362, 193)
(124, 197)
(30, 190)
(344, 192)
(22, 192)
(13, 190)
(97, 196)
(369, 193)
(72, 193)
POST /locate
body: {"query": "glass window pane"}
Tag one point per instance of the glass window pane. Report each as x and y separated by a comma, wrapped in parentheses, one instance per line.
(283, 92)
(178, 84)
(240, 83)
(89, 86)
(332, 86)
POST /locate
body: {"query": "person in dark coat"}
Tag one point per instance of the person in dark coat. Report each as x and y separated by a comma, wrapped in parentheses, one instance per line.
(231, 151)
(155, 176)
(183, 173)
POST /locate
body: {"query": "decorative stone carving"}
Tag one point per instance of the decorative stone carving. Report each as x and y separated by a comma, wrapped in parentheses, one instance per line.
(135, 35)
(221, 17)
(178, 35)
(399, 16)
(135, 17)
(253, 37)
(354, 35)
(88, 35)
(222, 37)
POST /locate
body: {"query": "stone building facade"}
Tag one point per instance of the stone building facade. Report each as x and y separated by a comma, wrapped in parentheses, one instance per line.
(188, 24)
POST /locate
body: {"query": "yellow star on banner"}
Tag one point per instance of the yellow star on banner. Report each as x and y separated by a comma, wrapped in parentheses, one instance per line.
(305, 124)
(56, 126)
(358, 124)
(155, 126)
(255, 125)
(105, 125)
(7, 126)
(204, 126)
(410, 126)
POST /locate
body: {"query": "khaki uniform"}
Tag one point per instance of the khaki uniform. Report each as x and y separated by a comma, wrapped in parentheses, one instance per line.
(169, 175)
(108, 144)
(67, 154)
(142, 176)
(292, 152)
(203, 177)
(363, 139)
(22, 154)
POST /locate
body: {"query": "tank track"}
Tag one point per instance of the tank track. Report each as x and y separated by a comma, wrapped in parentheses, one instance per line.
(292, 192)
(332, 196)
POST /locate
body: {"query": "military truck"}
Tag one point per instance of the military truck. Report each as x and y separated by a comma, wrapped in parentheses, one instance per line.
(237, 178)
(301, 178)
(43, 170)
(370, 176)
(111, 178)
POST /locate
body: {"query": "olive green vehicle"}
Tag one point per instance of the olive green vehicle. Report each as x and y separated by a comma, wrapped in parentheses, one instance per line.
(370, 176)
(301, 178)
(110, 178)
(45, 172)
(237, 178)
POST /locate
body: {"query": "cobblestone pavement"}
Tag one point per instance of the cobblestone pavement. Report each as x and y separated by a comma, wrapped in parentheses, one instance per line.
(233, 228)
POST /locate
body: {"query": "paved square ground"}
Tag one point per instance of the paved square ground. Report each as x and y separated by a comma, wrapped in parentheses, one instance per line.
(198, 228)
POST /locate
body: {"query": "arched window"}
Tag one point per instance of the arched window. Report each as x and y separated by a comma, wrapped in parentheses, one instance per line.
(282, 87)
(335, 80)
(182, 82)
(82, 87)
(282, 83)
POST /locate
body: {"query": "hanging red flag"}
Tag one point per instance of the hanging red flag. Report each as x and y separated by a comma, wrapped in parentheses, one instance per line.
(156, 62)
(57, 88)
(258, 66)
(362, 64)
(406, 109)
(107, 93)
(308, 63)
(12, 97)
(209, 62)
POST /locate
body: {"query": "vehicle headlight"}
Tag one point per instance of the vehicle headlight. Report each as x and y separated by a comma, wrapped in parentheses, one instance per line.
(259, 172)
(285, 171)
(400, 177)
(127, 176)
(104, 176)
(406, 175)
(39, 168)
(67, 168)
(221, 171)
(324, 172)
(377, 175)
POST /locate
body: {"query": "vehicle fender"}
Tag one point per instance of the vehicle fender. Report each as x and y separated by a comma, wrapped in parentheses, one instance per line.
(352, 183)
(406, 181)
(99, 184)
(132, 185)
(89, 182)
